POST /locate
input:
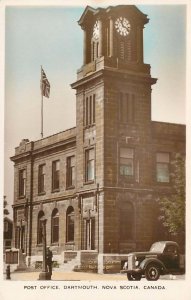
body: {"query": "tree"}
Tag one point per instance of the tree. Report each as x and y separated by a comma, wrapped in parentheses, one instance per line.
(172, 207)
(5, 210)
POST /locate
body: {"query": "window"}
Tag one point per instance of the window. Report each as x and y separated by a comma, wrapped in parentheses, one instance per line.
(126, 162)
(22, 183)
(162, 168)
(40, 227)
(41, 179)
(8, 244)
(126, 220)
(70, 224)
(171, 250)
(55, 175)
(95, 42)
(70, 173)
(6, 226)
(55, 226)
(89, 165)
(89, 110)
(95, 49)
(126, 108)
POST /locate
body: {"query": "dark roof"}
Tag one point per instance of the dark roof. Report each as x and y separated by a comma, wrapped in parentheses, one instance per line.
(90, 12)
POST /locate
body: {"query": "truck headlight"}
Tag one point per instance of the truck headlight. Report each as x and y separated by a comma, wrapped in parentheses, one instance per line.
(136, 263)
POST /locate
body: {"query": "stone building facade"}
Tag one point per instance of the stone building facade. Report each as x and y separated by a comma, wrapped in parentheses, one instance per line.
(97, 183)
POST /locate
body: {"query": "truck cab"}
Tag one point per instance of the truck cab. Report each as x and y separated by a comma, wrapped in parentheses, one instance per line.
(162, 258)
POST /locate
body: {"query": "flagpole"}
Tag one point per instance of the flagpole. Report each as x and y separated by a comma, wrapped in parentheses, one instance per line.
(41, 106)
(42, 116)
(45, 92)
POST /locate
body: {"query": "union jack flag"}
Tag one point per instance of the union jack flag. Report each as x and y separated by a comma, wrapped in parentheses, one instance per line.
(45, 85)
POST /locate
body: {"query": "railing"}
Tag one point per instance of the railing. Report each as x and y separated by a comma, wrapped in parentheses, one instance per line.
(115, 63)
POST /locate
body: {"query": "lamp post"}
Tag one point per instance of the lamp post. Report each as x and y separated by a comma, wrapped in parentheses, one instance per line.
(44, 274)
(21, 235)
(21, 258)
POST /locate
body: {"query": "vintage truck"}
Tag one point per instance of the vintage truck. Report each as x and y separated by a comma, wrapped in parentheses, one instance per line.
(162, 258)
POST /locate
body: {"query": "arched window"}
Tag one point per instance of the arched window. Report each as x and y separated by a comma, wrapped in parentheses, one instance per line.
(95, 41)
(70, 224)
(126, 219)
(39, 227)
(95, 50)
(55, 226)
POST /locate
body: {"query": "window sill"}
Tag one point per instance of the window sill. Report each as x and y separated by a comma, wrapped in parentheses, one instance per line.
(70, 187)
(41, 193)
(21, 197)
(163, 183)
(70, 243)
(56, 191)
(55, 244)
(89, 182)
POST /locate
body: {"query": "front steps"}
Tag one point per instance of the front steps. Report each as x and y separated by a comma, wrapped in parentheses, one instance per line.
(67, 266)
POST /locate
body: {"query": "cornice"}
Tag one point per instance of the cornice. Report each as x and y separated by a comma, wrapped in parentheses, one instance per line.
(39, 151)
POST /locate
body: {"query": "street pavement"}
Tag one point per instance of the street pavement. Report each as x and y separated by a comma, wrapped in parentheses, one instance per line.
(81, 276)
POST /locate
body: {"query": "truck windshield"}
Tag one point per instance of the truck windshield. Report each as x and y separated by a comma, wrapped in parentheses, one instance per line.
(157, 247)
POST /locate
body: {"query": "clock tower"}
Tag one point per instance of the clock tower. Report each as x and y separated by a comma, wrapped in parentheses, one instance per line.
(113, 95)
(115, 32)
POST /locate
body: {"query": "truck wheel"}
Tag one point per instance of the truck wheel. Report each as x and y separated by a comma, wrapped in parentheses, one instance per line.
(129, 277)
(135, 277)
(152, 272)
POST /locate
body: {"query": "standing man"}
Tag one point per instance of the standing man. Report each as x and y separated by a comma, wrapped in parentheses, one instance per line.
(49, 256)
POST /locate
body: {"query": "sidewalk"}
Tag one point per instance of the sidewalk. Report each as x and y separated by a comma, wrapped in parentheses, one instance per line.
(78, 276)
(67, 276)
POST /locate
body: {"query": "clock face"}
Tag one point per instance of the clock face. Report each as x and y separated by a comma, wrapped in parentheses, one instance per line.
(122, 26)
(96, 30)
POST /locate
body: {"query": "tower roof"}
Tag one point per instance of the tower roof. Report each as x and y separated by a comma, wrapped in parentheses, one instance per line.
(90, 12)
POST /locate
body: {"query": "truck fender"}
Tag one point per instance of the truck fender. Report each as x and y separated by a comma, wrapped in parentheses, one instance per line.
(147, 261)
